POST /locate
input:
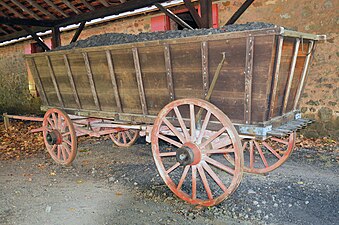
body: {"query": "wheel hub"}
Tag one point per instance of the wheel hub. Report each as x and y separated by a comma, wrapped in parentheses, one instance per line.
(188, 154)
(54, 137)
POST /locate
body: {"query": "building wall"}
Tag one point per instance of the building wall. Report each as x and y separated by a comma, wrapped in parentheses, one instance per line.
(320, 100)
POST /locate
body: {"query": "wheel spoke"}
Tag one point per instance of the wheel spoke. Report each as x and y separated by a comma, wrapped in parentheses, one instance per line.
(123, 137)
(204, 126)
(59, 121)
(220, 151)
(55, 120)
(165, 154)
(194, 182)
(219, 165)
(66, 134)
(251, 155)
(128, 135)
(67, 142)
(222, 142)
(173, 142)
(182, 124)
(59, 152)
(174, 130)
(214, 176)
(67, 149)
(183, 177)
(63, 153)
(192, 118)
(205, 182)
(51, 123)
(271, 150)
(176, 165)
(261, 154)
(119, 137)
(279, 140)
(214, 136)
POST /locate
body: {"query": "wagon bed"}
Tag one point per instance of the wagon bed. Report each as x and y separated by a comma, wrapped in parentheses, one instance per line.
(230, 100)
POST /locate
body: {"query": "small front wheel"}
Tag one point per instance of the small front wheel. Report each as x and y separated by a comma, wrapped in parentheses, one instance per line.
(59, 136)
(124, 137)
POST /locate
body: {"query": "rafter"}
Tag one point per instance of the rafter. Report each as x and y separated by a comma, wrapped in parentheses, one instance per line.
(27, 22)
(239, 12)
(36, 38)
(56, 8)
(78, 32)
(69, 5)
(89, 6)
(104, 2)
(11, 9)
(42, 9)
(25, 9)
(189, 5)
(3, 31)
(174, 17)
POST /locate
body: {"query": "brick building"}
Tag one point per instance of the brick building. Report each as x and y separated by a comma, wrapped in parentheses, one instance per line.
(321, 97)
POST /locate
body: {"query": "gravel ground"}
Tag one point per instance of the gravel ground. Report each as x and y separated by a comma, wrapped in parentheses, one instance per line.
(110, 185)
(120, 38)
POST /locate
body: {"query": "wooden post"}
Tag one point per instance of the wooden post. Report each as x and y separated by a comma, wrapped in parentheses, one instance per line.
(206, 13)
(56, 40)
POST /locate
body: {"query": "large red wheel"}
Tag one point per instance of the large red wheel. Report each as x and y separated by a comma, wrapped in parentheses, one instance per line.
(192, 163)
(125, 137)
(265, 156)
(59, 136)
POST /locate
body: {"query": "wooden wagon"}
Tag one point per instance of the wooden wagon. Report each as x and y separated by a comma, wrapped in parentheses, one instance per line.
(212, 106)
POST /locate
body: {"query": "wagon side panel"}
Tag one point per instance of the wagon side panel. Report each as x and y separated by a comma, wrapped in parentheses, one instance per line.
(125, 74)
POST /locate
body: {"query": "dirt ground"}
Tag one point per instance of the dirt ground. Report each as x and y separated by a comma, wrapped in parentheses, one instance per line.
(111, 185)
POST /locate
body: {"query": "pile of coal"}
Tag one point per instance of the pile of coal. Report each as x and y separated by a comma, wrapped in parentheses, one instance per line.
(121, 38)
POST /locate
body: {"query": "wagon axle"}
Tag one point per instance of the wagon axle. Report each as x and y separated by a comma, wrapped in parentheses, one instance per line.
(188, 154)
(54, 137)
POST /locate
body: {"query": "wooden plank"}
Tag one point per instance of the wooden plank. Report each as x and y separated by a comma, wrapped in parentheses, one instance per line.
(248, 79)
(38, 79)
(51, 72)
(276, 75)
(139, 81)
(169, 75)
(56, 8)
(91, 81)
(304, 74)
(291, 75)
(25, 9)
(205, 67)
(114, 81)
(42, 9)
(69, 5)
(71, 81)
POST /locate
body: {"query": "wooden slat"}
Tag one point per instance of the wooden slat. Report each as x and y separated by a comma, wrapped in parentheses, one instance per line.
(42, 9)
(139, 81)
(39, 83)
(71, 81)
(25, 9)
(91, 81)
(88, 5)
(169, 75)
(204, 66)
(303, 75)
(276, 75)
(56, 86)
(56, 8)
(248, 79)
(291, 75)
(114, 81)
(11, 9)
(69, 5)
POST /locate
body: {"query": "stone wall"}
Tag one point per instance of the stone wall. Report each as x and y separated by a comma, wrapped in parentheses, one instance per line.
(321, 97)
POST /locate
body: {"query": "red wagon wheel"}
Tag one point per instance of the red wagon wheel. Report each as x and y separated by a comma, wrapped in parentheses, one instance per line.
(265, 156)
(59, 136)
(192, 163)
(125, 137)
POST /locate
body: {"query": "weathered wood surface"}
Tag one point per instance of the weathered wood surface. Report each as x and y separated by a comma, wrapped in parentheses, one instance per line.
(141, 78)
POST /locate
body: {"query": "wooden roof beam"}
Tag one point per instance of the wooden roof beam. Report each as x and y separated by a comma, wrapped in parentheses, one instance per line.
(108, 11)
(89, 6)
(174, 17)
(206, 13)
(3, 31)
(56, 8)
(25, 9)
(11, 9)
(69, 5)
(78, 32)
(239, 12)
(36, 38)
(27, 22)
(104, 2)
(189, 5)
(42, 9)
